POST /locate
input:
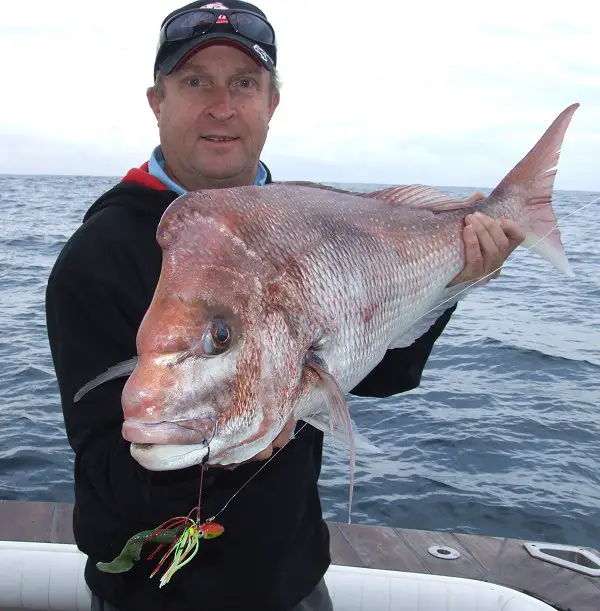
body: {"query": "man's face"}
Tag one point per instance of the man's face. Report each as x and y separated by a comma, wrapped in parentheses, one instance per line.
(213, 118)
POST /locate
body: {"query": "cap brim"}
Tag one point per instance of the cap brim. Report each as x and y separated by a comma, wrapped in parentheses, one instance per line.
(178, 53)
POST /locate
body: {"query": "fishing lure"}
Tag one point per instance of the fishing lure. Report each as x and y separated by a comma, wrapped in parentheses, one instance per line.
(182, 533)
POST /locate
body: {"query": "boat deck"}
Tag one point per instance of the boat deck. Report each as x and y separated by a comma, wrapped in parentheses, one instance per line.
(498, 560)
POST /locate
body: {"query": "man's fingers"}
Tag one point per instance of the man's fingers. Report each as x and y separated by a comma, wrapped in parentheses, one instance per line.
(285, 435)
(473, 254)
(488, 243)
(473, 258)
(279, 442)
(493, 242)
(266, 453)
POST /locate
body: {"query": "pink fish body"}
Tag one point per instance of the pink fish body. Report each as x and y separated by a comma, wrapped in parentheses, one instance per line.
(275, 301)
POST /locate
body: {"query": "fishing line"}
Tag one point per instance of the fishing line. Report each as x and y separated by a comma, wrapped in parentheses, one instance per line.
(183, 533)
(448, 349)
(462, 291)
(252, 477)
(423, 315)
(471, 284)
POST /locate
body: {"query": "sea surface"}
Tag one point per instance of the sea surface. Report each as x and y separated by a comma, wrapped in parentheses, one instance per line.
(501, 438)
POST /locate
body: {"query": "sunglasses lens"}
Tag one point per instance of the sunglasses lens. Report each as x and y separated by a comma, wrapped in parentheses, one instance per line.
(252, 27)
(188, 25)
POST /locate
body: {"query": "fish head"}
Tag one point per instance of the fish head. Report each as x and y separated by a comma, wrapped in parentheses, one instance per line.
(219, 349)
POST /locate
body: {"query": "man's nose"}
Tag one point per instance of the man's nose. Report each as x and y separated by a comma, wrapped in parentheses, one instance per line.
(221, 105)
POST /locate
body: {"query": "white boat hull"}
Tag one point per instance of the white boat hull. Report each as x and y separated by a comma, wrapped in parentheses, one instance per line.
(49, 576)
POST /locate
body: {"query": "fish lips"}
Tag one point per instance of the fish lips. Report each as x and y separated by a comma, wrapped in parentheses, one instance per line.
(159, 457)
(184, 432)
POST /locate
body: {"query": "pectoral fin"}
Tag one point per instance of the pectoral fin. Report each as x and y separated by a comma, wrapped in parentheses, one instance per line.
(336, 408)
(116, 371)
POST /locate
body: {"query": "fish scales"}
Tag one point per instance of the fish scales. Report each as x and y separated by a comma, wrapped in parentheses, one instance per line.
(345, 255)
(275, 301)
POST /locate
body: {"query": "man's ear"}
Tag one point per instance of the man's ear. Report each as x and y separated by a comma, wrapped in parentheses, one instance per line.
(274, 105)
(154, 98)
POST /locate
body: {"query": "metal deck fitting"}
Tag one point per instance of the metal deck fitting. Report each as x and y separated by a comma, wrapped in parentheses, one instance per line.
(568, 556)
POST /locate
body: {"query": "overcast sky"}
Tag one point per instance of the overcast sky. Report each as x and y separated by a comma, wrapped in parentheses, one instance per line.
(442, 93)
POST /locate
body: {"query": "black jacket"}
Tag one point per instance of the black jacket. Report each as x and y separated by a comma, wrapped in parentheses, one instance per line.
(276, 545)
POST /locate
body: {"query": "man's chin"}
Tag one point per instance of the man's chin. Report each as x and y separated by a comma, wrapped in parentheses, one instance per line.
(226, 169)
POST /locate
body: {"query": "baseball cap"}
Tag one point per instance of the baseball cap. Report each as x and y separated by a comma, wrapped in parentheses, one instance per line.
(197, 24)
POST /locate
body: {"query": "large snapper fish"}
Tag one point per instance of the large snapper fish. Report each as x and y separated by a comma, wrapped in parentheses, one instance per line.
(275, 301)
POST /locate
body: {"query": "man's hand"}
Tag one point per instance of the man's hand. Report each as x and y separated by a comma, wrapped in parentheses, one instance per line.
(488, 243)
(279, 441)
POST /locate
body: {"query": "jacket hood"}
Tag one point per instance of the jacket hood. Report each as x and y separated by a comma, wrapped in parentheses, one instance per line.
(137, 190)
(140, 191)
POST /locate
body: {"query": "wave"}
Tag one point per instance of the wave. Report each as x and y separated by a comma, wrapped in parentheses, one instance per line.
(510, 347)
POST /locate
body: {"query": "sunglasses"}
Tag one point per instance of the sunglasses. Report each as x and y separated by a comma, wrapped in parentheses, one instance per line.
(199, 22)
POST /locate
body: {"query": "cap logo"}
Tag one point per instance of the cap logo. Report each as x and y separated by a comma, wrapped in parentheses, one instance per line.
(220, 18)
(263, 54)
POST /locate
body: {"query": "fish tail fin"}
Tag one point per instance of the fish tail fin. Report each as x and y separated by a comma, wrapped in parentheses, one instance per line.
(533, 180)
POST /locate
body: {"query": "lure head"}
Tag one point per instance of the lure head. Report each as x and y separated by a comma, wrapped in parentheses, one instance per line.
(210, 530)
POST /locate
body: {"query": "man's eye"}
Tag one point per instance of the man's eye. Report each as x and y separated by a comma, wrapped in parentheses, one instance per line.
(193, 82)
(245, 83)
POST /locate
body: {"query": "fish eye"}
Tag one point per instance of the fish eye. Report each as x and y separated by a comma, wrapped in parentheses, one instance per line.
(217, 337)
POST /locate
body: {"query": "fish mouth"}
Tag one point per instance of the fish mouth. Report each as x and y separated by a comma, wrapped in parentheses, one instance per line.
(169, 455)
(184, 432)
(159, 457)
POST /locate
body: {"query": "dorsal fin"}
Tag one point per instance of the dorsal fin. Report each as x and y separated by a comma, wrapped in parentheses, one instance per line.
(411, 196)
(315, 185)
(420, 196)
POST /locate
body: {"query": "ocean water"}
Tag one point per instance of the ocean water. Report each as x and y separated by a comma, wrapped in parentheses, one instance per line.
(501, 438)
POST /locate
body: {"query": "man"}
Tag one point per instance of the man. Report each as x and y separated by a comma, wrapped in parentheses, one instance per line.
(215, 93)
